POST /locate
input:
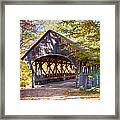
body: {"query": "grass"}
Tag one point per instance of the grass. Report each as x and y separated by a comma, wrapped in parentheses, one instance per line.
(93, 91)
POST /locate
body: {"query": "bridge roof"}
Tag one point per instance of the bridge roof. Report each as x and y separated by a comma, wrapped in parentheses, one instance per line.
(51, 31)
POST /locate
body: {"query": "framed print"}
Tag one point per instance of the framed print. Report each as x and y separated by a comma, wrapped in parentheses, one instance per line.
(59, 59)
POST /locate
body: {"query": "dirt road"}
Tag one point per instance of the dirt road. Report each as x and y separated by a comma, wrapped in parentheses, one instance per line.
(57, 91)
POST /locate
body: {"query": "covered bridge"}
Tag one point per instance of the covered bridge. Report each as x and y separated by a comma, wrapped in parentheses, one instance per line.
(52, 58)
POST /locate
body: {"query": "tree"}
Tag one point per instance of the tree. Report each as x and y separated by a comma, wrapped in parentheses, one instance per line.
(30, 30)
(84, 32)
(25, 75)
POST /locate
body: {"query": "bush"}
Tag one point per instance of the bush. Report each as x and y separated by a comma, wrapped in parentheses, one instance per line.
(22, 83)
(93, 90)
(25, 75)
(95, 73)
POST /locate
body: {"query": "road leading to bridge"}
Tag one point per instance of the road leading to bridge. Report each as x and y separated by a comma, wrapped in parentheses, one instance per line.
(57, 91)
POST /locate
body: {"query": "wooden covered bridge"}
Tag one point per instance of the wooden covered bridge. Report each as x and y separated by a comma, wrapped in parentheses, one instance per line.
(52, 58)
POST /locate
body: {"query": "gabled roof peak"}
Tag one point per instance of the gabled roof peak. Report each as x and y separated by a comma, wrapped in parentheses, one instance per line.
(51, 31)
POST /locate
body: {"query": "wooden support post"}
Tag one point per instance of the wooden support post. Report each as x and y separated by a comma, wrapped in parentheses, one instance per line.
(61, 68)
(33, 80)
(55, 68)
(78, 76)
(35, 71)
(51, 69)
(48, 69)
(40, 69)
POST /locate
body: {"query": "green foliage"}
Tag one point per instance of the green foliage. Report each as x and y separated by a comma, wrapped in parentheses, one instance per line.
(31, 31)
(25, 75)
(22, 83)
(87, 34)
(93, 90)
(95, 73)
(28, 33)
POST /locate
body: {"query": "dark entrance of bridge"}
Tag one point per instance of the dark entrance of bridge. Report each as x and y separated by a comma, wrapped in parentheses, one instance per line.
(50, 68)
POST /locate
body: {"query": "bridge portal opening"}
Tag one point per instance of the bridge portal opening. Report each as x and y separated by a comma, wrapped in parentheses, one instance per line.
(52, 68)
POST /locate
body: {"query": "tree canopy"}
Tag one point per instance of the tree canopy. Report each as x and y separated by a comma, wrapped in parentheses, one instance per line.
(86, 33)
